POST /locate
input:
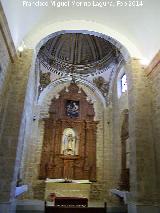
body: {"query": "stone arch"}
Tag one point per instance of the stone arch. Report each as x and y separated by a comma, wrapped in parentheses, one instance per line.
(81, 83)
(125, 59)
(89, 89)
(79, 25)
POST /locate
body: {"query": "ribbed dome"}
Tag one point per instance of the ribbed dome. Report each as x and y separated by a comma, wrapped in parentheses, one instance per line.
(77, 52)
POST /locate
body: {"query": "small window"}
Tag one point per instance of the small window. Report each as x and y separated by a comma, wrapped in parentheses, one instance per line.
(122, 86)
(124, 83)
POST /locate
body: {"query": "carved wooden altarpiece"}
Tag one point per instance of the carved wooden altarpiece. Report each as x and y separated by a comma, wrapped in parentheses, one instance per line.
(69, 143)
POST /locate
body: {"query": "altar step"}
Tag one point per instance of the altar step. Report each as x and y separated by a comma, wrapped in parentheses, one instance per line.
(34, 211)
(37, 206)
(28, 211)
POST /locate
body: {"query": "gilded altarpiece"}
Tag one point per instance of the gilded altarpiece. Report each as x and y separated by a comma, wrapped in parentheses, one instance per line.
(69, 143)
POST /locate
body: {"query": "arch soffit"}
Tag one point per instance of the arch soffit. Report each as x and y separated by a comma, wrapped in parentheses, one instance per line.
(94, 95)
(122, 49)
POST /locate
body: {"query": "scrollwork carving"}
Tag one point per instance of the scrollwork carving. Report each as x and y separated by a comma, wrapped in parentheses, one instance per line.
(102, 85)
(44, 80)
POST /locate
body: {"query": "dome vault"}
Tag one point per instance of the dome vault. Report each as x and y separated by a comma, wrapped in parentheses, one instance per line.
(81, 54)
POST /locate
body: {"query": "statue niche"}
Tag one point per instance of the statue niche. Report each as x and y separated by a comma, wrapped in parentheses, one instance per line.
(69, 143)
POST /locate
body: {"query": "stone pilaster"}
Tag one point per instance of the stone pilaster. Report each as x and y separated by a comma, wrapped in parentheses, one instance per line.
(153, 74)
(142, 164)
(11, 146)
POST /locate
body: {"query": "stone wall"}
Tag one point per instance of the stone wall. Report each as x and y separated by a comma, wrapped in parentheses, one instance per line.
(7, 55)
(4, 78)
(153, 74)
(4, 61)
(142, 158)
(5, 70)
(13, 81)
(11, 143)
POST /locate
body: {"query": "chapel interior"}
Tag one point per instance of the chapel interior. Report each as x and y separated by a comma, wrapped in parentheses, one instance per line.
(80, 107)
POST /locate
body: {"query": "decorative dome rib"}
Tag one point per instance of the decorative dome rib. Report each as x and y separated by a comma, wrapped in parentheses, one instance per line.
(78, 53)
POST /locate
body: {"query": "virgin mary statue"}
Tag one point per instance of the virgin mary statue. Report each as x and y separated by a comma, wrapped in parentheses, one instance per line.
(68, 142)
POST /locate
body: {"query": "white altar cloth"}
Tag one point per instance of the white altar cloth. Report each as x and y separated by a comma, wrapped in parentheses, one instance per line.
(75, 188)
(48, 180)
